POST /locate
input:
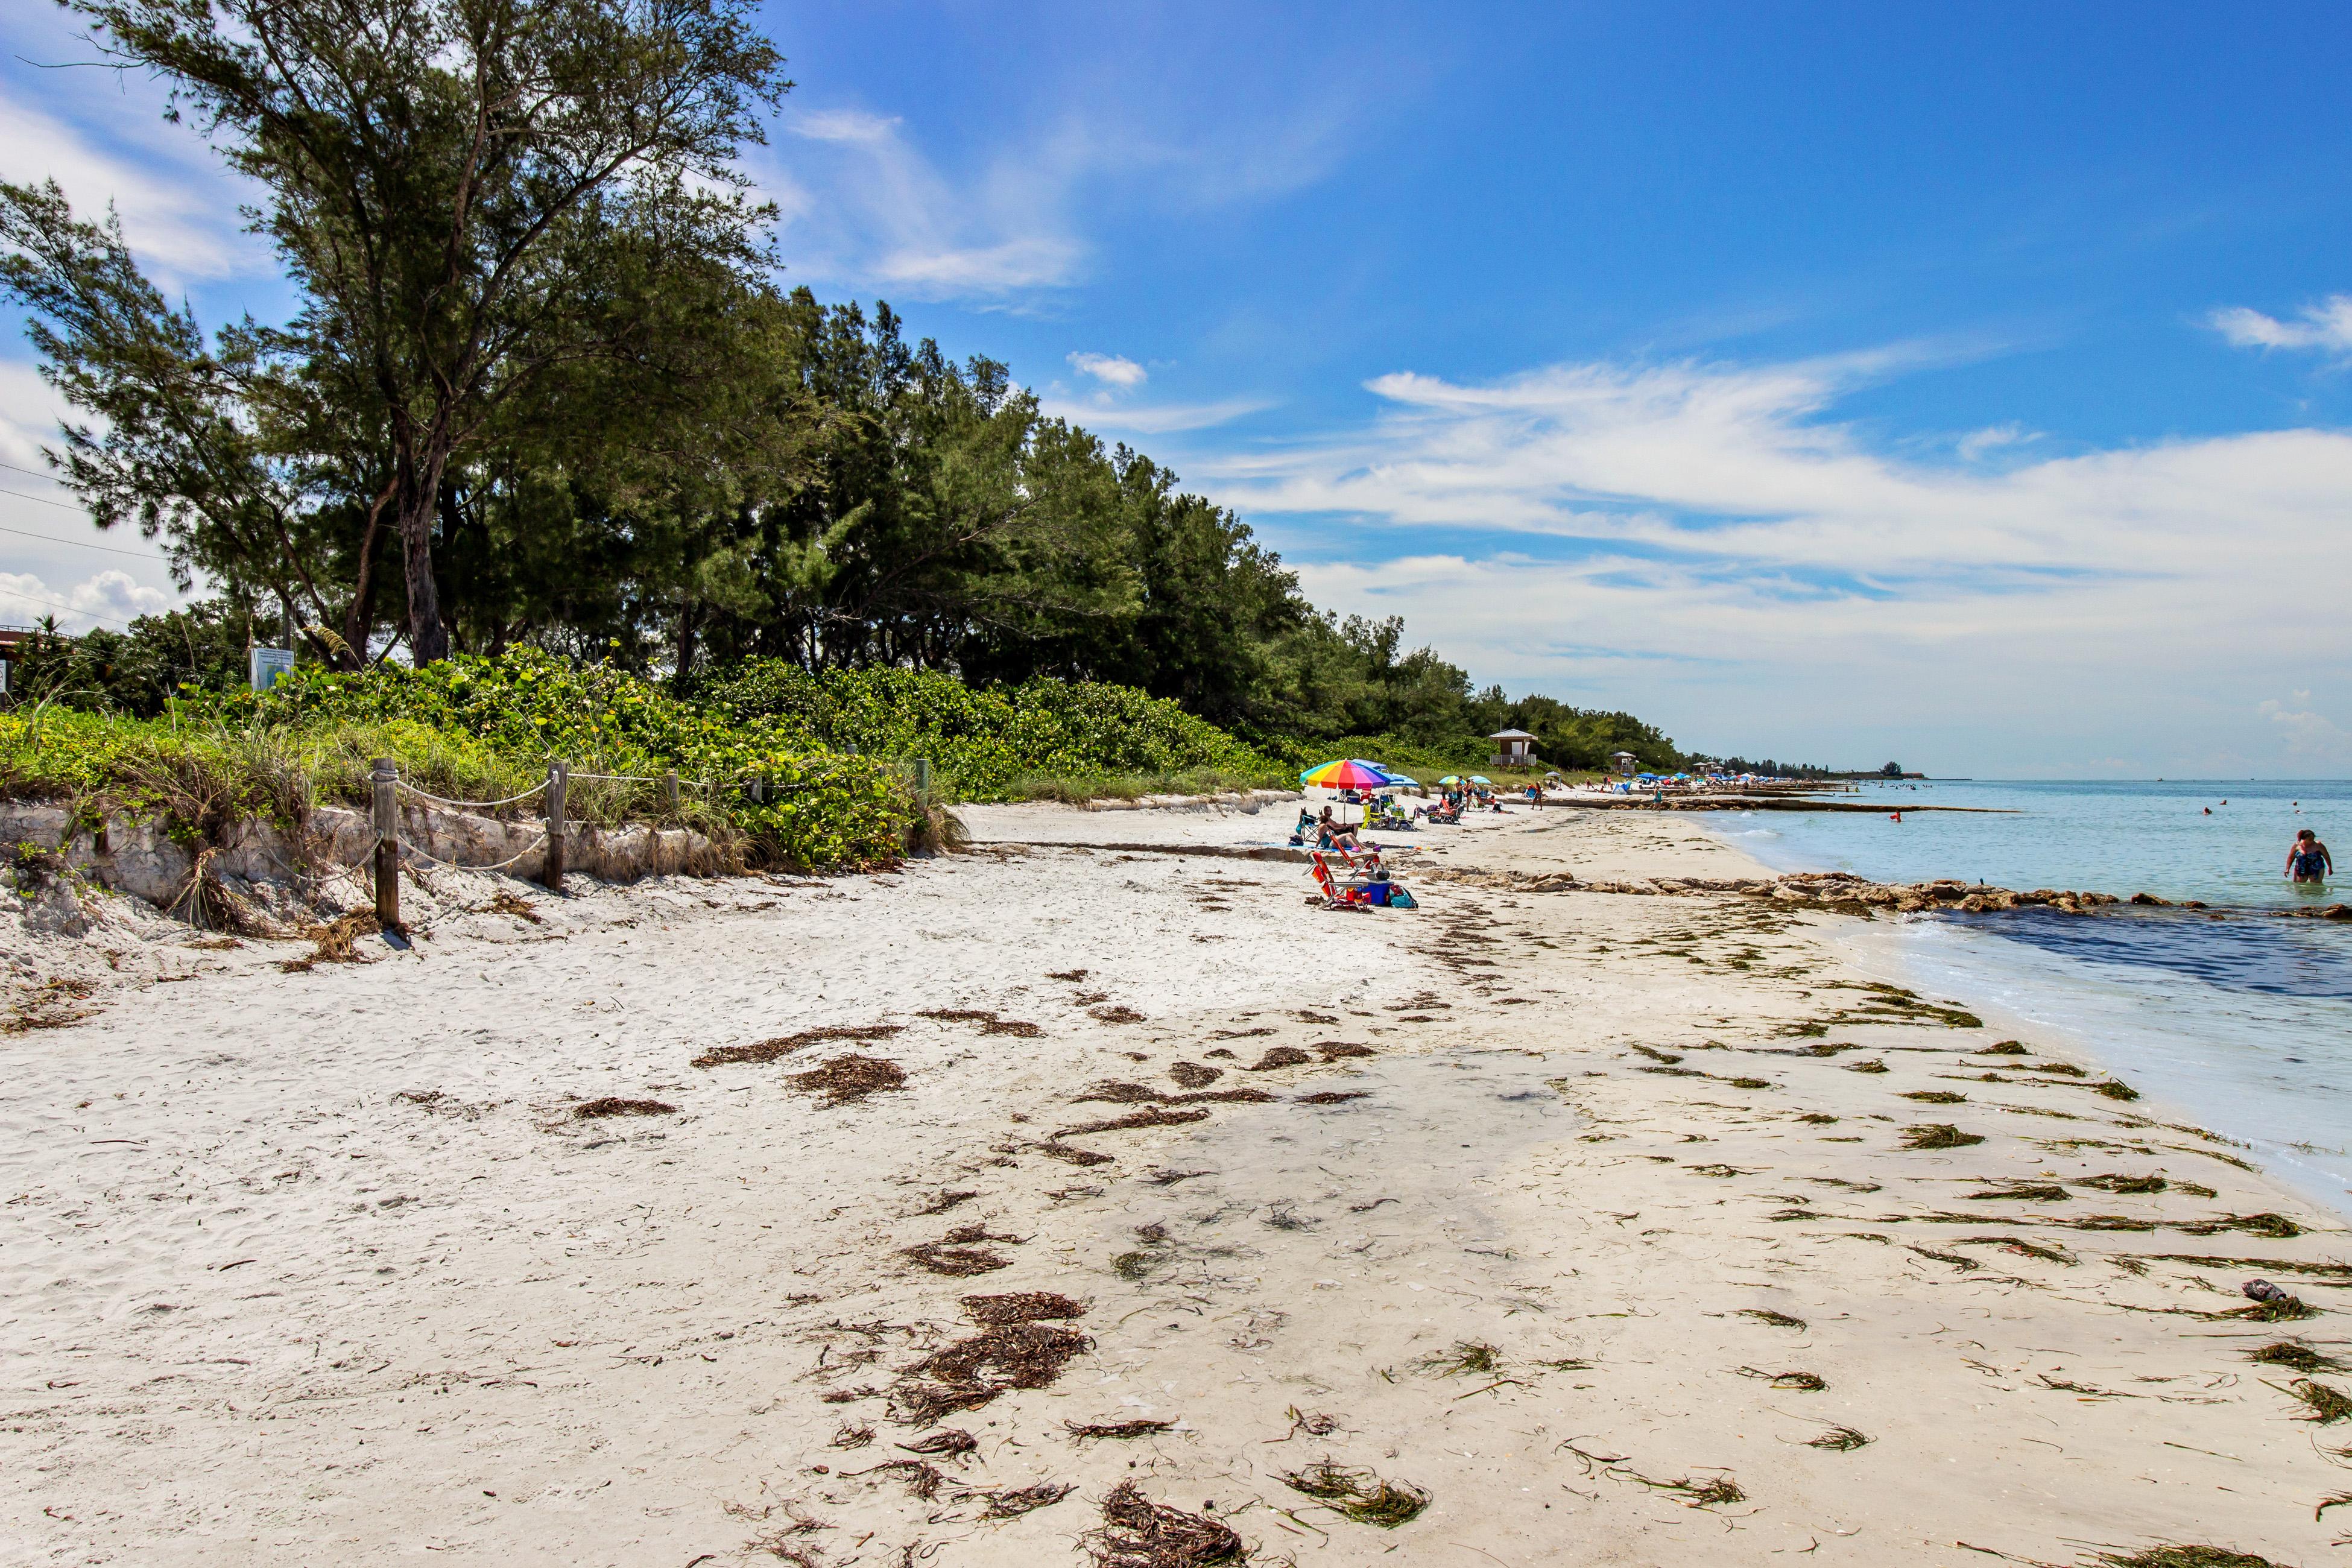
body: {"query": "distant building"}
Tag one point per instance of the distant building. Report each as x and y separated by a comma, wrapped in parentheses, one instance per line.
(1624, 763)
(1513, 749)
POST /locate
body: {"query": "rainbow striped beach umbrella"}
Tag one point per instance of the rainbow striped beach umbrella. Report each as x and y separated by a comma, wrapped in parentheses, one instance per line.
(1347, 774)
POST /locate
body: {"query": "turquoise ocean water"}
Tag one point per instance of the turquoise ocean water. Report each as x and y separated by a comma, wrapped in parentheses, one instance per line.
(2243, 1021)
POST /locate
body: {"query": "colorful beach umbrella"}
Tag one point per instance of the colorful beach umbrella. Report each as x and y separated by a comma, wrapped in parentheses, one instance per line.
(1450, 780)
(1481, 778)
(1347, 774)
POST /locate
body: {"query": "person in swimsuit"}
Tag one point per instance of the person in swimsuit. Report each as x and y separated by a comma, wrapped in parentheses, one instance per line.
(2308, 860)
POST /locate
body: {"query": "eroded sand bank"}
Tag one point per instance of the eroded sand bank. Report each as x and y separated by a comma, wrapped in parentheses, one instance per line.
(1570, 1204)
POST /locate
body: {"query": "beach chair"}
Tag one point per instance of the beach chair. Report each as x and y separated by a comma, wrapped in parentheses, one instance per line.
(1338, 894)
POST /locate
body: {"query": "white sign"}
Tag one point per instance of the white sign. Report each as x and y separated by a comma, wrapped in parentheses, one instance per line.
(267, 664)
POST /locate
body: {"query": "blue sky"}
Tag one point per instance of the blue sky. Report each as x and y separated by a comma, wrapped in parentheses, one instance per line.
(1963, 387)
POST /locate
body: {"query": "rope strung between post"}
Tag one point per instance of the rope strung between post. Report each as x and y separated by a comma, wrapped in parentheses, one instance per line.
(636, 778)
(469, 805)
(456, 866)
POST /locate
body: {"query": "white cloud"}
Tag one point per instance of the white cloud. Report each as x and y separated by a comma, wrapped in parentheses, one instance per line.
(1111, 369)
(110, 598)
(2306, 733)
(2326, 325)
(1709, 545)
(1992, 438)
(1159, 419)
(178, 205)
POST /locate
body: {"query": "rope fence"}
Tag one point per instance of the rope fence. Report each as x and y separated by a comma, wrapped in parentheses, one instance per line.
(387, 787)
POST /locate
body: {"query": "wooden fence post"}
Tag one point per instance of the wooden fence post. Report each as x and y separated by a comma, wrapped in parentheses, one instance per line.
(669, 791)
(386, 812)
(559, 778)
(923, 777)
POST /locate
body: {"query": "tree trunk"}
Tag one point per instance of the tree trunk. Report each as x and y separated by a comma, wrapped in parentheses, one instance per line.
(428, 639)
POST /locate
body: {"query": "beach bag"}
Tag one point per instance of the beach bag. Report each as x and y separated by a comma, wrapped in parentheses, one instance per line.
(1400, 900)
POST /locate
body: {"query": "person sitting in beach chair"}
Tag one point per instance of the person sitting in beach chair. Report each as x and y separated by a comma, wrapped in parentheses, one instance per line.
(1366, 886)
(1300, 834)
(1333, 833)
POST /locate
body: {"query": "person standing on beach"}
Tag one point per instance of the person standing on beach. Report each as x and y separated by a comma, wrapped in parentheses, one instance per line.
(2308, 860)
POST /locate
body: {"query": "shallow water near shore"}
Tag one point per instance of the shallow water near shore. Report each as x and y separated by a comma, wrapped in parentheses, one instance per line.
(2245, 1023)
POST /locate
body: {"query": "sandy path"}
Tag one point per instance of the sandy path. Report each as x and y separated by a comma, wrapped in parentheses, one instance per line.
(320, 1266)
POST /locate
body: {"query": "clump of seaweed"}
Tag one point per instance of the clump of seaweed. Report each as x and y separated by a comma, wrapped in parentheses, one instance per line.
(2325, 1403)
(2280, 1308)
(846, 1079)
(1070, 1157)
(334, 943)
(1012, 1502)
(2294, 1355)
(1360, 1495)
(1155, 1116)
(1707, 1493)
(1114, 1092)
(947, 1443)
(1332, 1096)
(1816, 1119)
(1279, 1057)
(1750, 1082)
(2112, 1183)
(850, 1437)
(2171, 1556)
(2271, 1226)
(1192, 1075)
(2025, 1192)
(1336, 1051)
(1072, 975)
(1802, 1382)
(1874, 1065)
(947, 1199)
(2017, 1244)
(1939, 1135)
(1935, 1096)
(1011, 1355)
(990, 1022)
(2004, 1048)
(610, 1105)
(923, 1480)
(1136, 1532)
(1838, 1439)
(1466, 1357)
(1222, 1097)
(1020, 1307)
(1778, 1319)
(955, 1254)
(2115, 1089)
(785, 1045)
(1083, 1429)
(507, 902)
(1115, 1015)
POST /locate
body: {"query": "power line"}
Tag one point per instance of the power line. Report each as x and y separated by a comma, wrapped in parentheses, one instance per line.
(35, 473)
(69, 609)
(77, 544)
(43, 501)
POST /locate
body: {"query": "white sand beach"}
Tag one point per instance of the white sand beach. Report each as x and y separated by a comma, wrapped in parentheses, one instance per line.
(1586, 1216)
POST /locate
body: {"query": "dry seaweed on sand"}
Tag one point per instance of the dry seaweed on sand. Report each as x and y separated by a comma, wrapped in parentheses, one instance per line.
(2295, 1355)
(1155, 1116)
(1336, 1050)
(1117, 1091)
(2017, 1244)
(2186, 1557)
(1115, 1015)
(1939, 1135)
(990, 1022)
(850, 1395)
(785, 1045)
(2003, 1048)
(2114, 1183)
(850, 1437)
(1136, 1532)
(1020, 1307)
(1778, 1319)
(1839, 1439)
(947, 1200)
(1221, 1097)
(1707, 1493)
(1011, 1355)
(1013, 1502)
(2280, 1308)
(1162, 1176)
(1192, 1075)
(1332, 1096)
(610, 1105)
(846, 1079)
(2024, 1192)
(1360, 1495)
(2270, 1226)
(947, 1443)
(1072, 975)
(2325, 1403)
(334, 943)
(956, 1262)
(923, 1403)
(1935, 1096)
(923, 1480)
(1466, 1357)
(1070, 1157)
(1816, 1119)
(1081, 1429)
(507, 902)
(1801, 1382)
(1280, 1056)
(1874, 1065)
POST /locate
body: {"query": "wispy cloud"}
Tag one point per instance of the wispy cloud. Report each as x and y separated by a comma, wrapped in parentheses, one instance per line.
(1147, 419)
(1111, 369)
(1740, 551)
(178, 205)
(2327, 326)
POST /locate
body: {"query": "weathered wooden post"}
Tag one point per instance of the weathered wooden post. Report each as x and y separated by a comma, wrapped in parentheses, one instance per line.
(669, 791)
(923, 778)
(385, 810)
(559, 778)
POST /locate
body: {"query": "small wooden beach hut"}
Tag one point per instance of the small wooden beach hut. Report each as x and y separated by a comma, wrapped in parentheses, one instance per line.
(1513, 749)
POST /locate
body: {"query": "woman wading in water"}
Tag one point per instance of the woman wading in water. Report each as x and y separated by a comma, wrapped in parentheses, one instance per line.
(2308, 860)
